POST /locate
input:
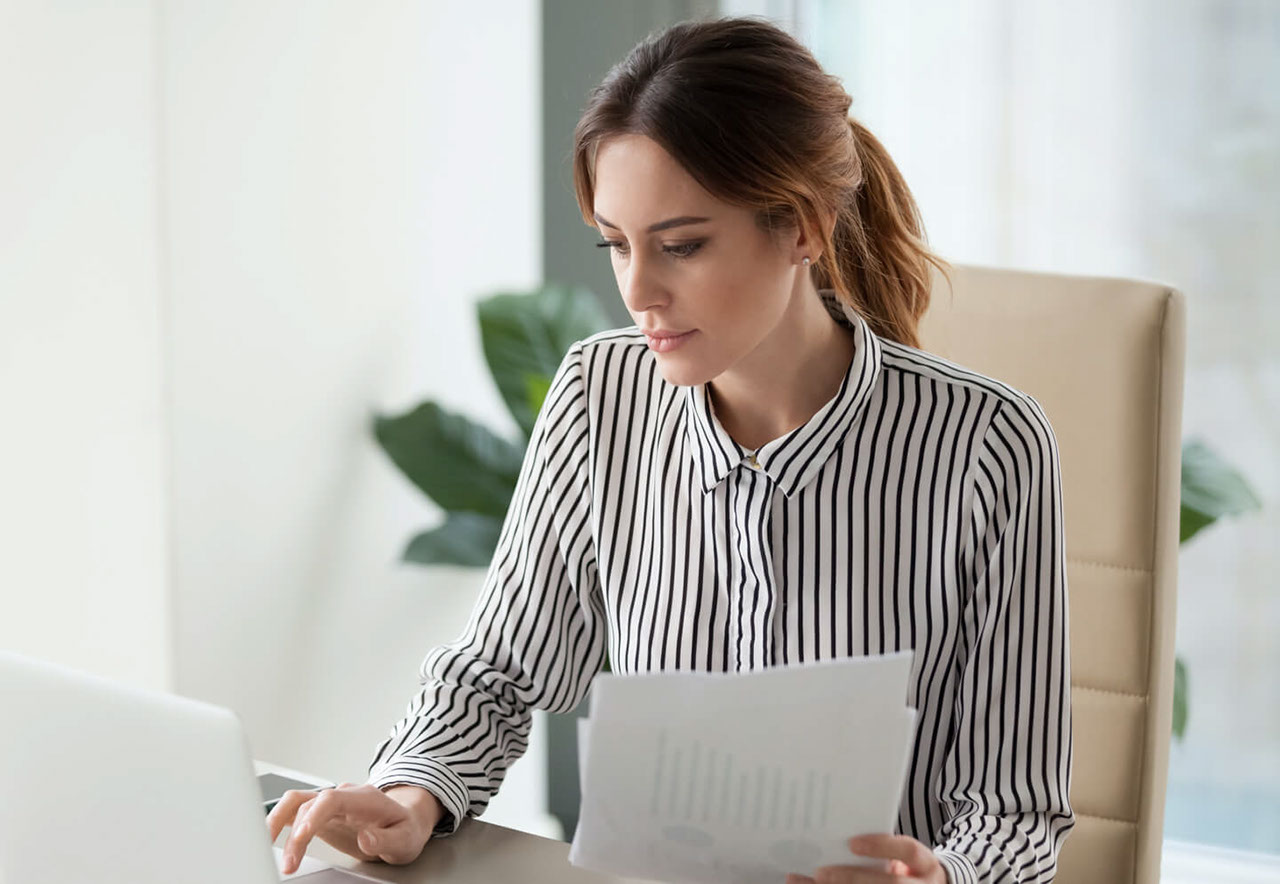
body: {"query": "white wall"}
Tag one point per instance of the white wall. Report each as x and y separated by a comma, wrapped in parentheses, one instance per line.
(343, 180)
(82, 518)
(230, 232)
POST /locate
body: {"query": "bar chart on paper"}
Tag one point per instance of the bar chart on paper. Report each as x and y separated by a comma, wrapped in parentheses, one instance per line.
(696, 787)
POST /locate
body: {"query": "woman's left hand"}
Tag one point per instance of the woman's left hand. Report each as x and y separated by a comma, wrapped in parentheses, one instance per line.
(908, 860)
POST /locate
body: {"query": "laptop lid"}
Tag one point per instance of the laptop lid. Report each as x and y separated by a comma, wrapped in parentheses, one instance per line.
(106, 783)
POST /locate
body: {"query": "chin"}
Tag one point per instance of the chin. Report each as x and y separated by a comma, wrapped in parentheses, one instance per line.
(683, 372)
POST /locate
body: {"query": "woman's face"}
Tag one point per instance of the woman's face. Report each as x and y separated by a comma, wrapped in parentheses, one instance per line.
(688, 264)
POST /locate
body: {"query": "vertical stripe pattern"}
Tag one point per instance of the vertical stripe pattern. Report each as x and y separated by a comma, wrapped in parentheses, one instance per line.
(921, 508)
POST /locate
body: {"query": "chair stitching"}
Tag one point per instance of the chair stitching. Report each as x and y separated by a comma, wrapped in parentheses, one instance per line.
(1108, 565)
(1128, 694)
(1107, 819)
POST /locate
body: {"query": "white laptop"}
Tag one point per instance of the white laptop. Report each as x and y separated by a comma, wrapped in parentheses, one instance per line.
(113, 785)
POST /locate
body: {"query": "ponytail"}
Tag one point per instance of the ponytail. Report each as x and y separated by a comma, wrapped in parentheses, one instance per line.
(878, 261)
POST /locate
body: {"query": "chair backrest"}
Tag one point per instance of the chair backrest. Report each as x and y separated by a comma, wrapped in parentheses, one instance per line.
(1104, 357)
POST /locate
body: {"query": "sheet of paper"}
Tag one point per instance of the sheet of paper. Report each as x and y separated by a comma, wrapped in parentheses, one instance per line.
(698, 778)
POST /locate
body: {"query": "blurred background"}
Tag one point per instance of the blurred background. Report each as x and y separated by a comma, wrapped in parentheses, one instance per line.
(232, 231)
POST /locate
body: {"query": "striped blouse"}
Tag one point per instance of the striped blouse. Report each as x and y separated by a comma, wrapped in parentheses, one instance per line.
(920, 508)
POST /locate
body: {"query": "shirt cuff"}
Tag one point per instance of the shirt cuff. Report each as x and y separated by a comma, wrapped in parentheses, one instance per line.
(436, 778)
(959, 868)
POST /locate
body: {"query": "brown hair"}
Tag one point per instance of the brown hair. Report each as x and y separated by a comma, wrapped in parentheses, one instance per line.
(750, 114)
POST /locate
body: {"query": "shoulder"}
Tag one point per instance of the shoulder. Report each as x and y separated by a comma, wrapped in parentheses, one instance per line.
(612, 357)
(1006, 405)
(615, 339)
(597, 370)
(582, 357)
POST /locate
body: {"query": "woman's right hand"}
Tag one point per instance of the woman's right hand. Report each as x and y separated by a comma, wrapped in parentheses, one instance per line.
(361, 821)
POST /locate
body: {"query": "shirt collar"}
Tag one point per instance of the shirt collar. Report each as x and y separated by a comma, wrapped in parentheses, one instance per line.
(793, 460)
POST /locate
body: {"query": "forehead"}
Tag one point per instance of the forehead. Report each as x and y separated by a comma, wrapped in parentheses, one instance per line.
(637, 182)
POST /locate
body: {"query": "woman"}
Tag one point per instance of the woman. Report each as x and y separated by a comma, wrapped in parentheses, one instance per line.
(765, 470)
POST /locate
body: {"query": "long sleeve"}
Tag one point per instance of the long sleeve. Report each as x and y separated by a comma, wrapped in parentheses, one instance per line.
(534, 639)
(1007, 772)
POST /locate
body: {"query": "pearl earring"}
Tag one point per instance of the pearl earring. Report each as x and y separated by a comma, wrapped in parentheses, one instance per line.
(806, 260)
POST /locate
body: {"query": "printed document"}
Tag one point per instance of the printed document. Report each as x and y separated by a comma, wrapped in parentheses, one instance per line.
(703, 778)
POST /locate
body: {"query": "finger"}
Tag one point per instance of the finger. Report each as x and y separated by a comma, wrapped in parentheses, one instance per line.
(359, 807)
(379, 843)
(299, 837)
(397, 845)
(286, 808)
(908, 850)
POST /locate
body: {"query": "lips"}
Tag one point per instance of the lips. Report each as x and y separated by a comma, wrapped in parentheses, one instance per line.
(663, 341)
(663, 333)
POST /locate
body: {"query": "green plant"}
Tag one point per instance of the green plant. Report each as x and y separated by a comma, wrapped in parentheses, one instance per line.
(1211, 489)
(464, 467)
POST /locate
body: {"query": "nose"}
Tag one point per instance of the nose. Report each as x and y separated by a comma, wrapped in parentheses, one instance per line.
(641, 287)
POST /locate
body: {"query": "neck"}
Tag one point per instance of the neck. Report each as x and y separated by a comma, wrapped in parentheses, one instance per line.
(796, 370)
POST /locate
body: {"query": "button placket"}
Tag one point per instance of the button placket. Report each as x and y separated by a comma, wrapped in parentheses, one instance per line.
(755, 583)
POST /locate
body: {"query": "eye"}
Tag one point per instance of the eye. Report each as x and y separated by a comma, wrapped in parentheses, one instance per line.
(684, 249)
(676, 250)
(618, 247)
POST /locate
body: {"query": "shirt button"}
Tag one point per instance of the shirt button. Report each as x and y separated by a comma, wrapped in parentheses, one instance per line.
(751, 459)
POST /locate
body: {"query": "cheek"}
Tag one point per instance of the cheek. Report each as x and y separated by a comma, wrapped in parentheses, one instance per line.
(751, 262)
(722, 281)
(741, 292)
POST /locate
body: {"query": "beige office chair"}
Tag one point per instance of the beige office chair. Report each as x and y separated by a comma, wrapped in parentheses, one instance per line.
(1104, 357)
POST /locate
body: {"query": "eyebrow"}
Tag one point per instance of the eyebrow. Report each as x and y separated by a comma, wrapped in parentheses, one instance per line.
(681, 221)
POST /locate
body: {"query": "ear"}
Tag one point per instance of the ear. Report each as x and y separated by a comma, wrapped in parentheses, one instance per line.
(809, 243)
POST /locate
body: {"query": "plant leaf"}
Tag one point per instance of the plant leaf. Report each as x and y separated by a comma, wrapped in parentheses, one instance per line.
(538, 386)
(1211, 489)
(526, 336)
(464, 539)
(458, 463)
(1180, 698)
